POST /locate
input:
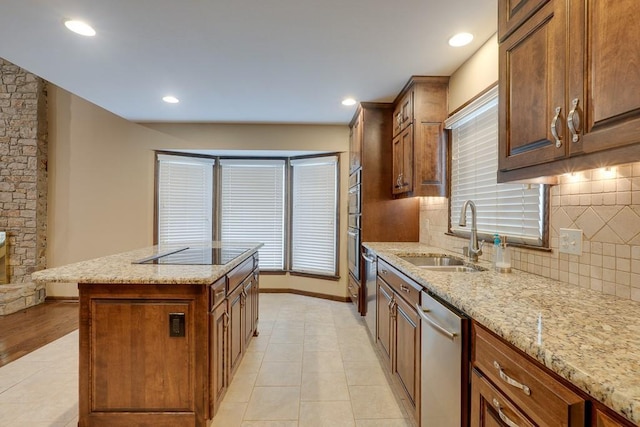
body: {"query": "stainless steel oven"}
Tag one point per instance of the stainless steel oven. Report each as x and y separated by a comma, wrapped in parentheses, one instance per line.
(353, 252)
(353, 240)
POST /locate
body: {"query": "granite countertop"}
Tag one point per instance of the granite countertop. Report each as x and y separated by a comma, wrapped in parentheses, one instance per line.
(119, 269)
(590, 339)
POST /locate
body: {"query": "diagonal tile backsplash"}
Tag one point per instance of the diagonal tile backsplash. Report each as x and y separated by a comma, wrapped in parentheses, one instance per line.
(604, 204)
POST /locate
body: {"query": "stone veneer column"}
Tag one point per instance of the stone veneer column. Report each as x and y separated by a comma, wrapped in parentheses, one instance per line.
(23, 183)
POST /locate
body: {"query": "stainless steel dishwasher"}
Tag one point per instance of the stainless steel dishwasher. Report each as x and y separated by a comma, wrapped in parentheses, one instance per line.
(444, 367)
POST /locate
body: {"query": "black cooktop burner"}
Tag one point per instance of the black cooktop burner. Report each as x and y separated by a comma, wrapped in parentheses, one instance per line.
(195, 256)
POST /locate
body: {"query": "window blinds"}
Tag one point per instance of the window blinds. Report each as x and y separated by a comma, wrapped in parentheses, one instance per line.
(252, 206)
(514, 210)
(185, 199)
(314, 215)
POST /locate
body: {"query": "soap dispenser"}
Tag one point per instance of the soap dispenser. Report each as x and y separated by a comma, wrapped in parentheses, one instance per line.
(502, 254)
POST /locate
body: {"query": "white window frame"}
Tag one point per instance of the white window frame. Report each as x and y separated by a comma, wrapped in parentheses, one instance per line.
(191, 214)
(517, 211)
(252, 192)
(314, 216)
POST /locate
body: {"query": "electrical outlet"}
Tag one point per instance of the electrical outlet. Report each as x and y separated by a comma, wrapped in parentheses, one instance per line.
(570, 241)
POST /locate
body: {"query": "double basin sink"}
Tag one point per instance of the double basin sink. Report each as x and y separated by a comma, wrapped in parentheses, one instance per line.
(443, 263)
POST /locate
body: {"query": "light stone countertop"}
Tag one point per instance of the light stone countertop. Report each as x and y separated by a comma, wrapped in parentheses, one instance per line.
(119, 269)
(590, 339)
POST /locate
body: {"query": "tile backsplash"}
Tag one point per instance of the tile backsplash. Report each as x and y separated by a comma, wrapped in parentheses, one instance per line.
(604, 204)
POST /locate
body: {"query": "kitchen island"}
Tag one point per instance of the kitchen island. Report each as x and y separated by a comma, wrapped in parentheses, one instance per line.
(159, 342)
(589, 339)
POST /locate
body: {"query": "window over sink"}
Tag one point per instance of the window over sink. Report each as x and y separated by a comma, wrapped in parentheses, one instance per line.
(517, 211)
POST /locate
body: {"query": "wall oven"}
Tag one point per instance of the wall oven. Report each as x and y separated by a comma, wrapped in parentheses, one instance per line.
(353, 240)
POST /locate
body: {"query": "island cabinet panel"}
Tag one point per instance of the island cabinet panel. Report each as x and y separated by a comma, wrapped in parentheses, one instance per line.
(143, 355)
(219, 361)
(137, 364)
(236, 322)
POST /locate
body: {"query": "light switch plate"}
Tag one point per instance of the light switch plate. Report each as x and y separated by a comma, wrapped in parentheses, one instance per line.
(570, 241)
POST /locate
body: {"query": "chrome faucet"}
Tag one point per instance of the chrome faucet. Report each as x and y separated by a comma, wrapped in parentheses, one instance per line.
(474, 249)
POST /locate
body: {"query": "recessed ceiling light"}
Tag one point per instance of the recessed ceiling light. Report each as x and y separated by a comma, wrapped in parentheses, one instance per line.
(460, 39)
(80, 27)
(170, 99)
(348, 102)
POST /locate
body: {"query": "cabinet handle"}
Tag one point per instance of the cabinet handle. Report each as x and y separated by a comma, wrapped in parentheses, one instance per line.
(573, 121)
(226, 319)
(384, 271)
(554, 127)
(404, 288)
(510, 380)
(502, 415)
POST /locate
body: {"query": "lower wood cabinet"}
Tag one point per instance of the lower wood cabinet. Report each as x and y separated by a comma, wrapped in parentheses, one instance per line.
(143, 355)
(524, 386)
(218, 381)
(398, 329)
(490, 408)
(162, 355)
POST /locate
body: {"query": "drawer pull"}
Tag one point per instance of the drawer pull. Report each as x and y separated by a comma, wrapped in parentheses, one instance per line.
(404, 288)
(502, 415)
(384, 271)
(510, 380)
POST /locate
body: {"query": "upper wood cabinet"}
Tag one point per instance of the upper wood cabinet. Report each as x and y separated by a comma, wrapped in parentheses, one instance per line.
(355, 144)
(512, 13)
(420, 143)
(567, 73)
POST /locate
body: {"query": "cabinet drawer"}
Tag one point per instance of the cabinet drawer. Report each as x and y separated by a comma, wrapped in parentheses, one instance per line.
(217, 292)
(405, 287)
(239, 273)
(537, 393)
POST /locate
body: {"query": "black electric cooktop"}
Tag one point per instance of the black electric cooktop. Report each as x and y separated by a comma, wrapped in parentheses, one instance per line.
(195, 256)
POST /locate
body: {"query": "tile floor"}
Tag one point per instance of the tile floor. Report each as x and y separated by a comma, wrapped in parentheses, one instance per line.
(313, 364)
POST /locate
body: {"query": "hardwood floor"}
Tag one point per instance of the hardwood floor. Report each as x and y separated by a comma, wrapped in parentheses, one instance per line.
(29, 329)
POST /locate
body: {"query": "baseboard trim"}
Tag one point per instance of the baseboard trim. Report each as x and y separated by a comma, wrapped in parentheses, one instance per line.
(305, 293)
(62, 299)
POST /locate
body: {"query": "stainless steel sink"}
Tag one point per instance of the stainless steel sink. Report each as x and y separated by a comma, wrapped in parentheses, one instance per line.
(433, 260)
(443, 263)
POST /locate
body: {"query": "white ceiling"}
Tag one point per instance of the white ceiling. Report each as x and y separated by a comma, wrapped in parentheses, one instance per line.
(276, 61)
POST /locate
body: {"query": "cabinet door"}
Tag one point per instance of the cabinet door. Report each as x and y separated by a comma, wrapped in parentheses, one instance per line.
(355, 144)
(255, 301)
(430, 159)
(403, 113)
(217, 350)
(407, 347)
(489, 408)
(385, 300)
(512, 13)
(235, 330)
(247, 309)
(532, 90)
(403, 162)
(604, 74)
(600, 419)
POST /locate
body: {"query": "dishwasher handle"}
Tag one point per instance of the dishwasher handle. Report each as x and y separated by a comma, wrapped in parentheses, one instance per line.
(366, 258)
(422, 312)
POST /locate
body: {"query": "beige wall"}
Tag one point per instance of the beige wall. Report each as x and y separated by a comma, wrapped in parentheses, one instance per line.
(476, 74)
(101, 179)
